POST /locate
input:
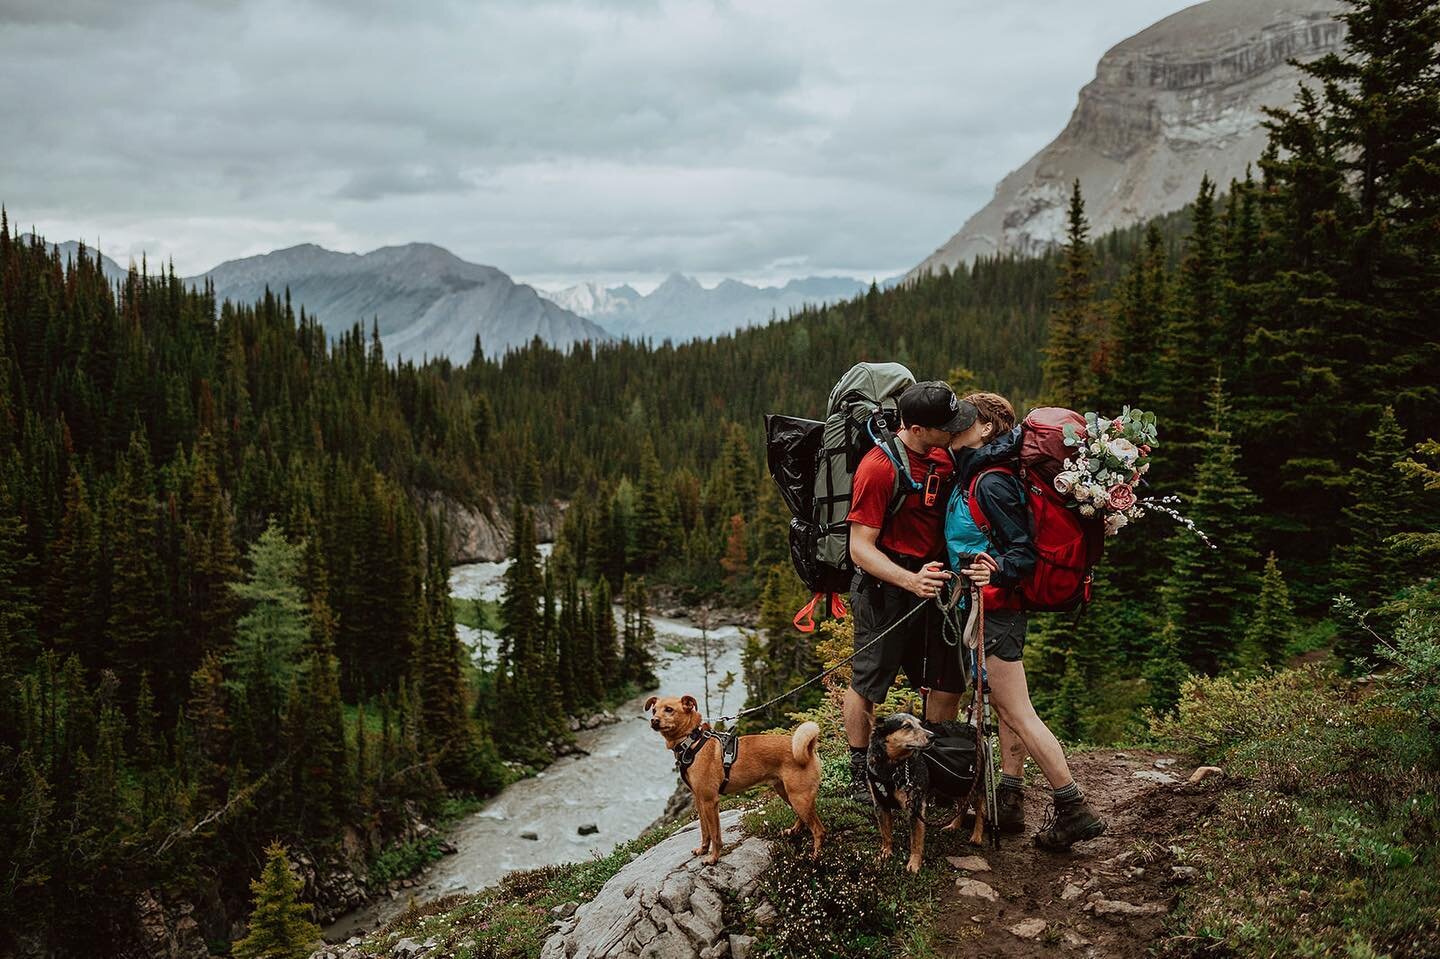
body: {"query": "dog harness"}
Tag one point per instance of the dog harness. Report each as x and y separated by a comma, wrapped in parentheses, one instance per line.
(898, 776)
(688, 748)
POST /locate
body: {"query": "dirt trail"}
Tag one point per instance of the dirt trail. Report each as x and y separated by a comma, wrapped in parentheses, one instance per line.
(1130, 868)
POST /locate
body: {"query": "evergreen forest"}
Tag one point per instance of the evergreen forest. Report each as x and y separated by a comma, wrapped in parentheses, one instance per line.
(224, 606)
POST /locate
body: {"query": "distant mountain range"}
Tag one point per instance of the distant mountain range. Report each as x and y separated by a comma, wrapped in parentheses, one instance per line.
(425, 299)
(681, 308)
(113, 271)
(429, 302)
(1180, 99)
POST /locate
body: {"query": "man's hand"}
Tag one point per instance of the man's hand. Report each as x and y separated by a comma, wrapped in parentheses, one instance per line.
(926, 583)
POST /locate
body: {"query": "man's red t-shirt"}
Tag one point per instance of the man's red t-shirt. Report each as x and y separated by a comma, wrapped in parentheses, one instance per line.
(915, 529)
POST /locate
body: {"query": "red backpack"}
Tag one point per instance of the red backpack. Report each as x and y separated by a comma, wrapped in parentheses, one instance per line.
(1068, 545)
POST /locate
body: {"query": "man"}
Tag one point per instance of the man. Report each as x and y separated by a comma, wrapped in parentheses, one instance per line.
(897, 556)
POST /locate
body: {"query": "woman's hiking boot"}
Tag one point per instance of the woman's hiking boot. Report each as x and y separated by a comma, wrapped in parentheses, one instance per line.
(1067, 823)
(1010, 809)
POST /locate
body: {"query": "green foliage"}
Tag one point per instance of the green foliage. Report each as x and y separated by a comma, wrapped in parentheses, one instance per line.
(269, 637)
(1210, 586)
(1068, 373)
(1328, 844)
(1271, 632)
(278, 927)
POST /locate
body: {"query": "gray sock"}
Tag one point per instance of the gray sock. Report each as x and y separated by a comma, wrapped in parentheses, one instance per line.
(1016, 783)
(1068, 794)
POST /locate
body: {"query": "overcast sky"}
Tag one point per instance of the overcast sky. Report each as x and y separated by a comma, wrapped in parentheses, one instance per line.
(557, 141)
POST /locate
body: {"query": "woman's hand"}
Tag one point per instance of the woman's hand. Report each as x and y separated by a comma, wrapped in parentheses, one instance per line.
(977, 573)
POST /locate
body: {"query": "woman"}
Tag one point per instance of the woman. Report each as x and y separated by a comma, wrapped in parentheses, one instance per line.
(988, 450)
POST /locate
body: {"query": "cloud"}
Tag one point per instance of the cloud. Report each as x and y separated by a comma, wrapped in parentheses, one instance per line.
(555, 140)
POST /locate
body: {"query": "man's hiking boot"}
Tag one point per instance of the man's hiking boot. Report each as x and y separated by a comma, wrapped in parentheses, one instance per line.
(1010, 809)
(859, 787)
(1068, 824)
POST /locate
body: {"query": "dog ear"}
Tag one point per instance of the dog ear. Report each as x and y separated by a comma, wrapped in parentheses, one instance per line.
(689, 703)
(649, 703)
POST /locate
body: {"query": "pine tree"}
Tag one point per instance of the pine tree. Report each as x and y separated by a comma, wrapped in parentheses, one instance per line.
(778, 657)
(637, 660)
(271, 636)
(137, 607)
(655, 531)
(607, 651)
(278, 927)
(74, 617)
(1367, 567)
(1272, 622)
(519, 680)
(315, 722)
(1189, 340)
(1164, 671)
(1209, 588)
(211, 557)
(207, 713)
(1071, 341)
(17, 604)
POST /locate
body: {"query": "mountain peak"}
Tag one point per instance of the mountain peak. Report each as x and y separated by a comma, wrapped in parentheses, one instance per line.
(1182, 98)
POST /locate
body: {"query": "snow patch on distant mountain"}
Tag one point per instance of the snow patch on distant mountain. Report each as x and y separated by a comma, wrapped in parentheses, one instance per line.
(680, 308)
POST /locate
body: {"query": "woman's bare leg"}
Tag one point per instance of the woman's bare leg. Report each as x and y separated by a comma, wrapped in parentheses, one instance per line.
(1010, 695)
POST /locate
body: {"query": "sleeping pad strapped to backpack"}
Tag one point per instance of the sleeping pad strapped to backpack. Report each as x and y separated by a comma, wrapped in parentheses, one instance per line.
(813, 463)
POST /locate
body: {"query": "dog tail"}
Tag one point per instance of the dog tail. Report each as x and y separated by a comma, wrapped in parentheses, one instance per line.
(802, 743)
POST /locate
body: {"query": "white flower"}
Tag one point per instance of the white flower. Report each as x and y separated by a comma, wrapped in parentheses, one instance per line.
(1115, 522)
(1096, 448)
(1099, 496)
(1123, 450)
(1081, 492)
(1086, 509)
(1064, 481)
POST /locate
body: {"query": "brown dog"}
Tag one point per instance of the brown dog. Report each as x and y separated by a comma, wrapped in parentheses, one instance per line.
(900, 782)
(788, 763)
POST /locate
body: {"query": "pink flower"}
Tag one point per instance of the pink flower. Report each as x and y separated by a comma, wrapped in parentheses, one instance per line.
(1122, 497)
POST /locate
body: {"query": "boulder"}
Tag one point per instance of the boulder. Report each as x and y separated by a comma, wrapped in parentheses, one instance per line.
(969, 863)
(666, 903)
(588, 829)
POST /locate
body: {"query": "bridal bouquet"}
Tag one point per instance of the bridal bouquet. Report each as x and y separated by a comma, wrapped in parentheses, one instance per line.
(1105, 465)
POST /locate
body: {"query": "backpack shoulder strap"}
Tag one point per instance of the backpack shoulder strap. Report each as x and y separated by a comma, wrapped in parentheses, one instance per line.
(982, 522)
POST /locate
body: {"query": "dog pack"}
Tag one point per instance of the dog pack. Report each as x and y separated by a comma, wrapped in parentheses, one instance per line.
(814, 463)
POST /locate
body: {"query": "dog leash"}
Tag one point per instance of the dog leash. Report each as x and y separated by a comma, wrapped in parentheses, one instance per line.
(815, 679)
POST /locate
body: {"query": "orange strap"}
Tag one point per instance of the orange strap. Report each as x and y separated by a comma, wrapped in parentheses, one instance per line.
(805, 619)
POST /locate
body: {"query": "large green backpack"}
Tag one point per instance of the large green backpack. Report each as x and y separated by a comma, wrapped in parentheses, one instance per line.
(814, 465)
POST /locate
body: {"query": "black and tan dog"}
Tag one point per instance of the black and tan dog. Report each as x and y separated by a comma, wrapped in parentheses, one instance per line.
(901, 782)
(788, 763)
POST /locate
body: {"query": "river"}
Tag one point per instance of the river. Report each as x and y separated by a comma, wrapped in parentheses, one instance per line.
(621, 786)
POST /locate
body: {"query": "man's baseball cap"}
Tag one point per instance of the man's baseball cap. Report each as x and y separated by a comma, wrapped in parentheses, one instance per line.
(934, 404)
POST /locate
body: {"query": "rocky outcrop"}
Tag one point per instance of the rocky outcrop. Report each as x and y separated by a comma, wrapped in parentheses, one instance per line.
(666, 904)
(168, 931)
(1172, 103)
(484, 535)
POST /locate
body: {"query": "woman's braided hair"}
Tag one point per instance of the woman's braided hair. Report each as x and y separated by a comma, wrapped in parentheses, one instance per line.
(995, 410)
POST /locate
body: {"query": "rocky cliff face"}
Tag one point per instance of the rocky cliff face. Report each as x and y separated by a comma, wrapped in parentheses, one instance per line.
(1180, 99)
(485, 536)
